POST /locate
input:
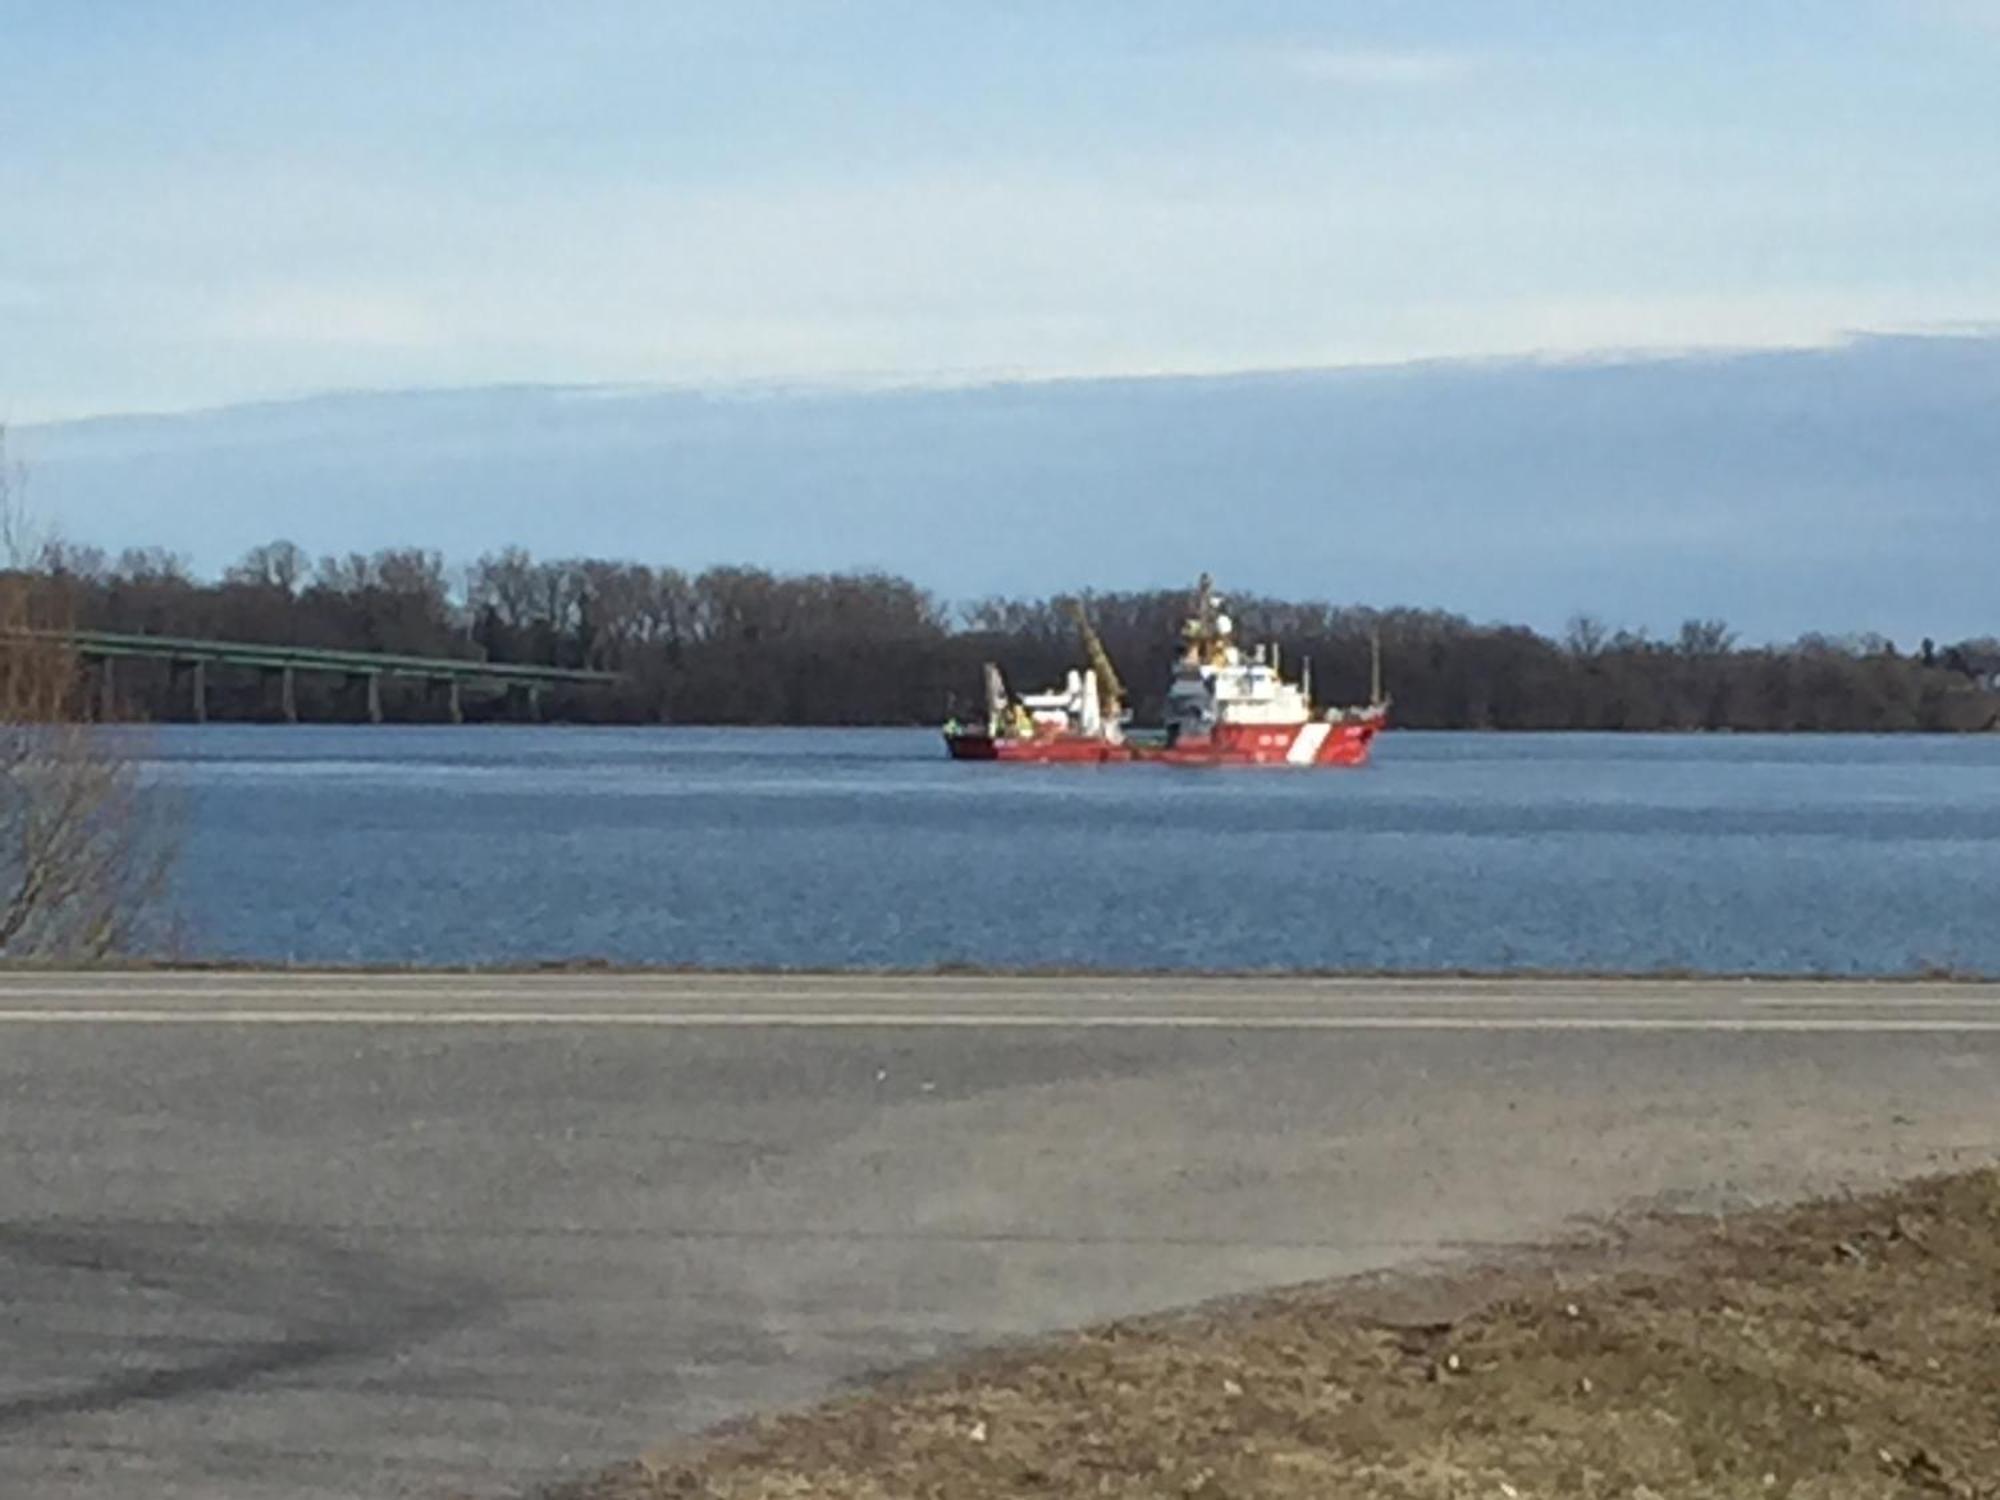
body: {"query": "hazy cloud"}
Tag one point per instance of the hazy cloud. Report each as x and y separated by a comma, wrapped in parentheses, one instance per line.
(1756, 488)
(1367, 67)
(326, 315)
(271, 212)
(1981, 15)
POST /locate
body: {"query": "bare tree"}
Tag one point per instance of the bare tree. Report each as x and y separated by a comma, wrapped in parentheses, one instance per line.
(279, 565)
(85, 846)
(1705, 638)
(506, 585)
(1585, 637)
(154, 565)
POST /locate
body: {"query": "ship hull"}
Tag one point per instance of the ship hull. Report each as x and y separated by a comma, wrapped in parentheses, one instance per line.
(1319, 742)
(1041, 749)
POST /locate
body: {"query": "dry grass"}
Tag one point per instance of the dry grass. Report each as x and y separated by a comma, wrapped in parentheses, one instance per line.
(1840, 1349)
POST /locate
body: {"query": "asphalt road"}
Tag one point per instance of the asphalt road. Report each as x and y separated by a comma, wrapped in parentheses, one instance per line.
(416, 1236)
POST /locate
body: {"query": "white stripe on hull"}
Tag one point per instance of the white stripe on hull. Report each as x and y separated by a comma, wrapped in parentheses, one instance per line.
(1305, 749)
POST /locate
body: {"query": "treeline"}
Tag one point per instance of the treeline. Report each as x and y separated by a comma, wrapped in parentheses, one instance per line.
(745, 646)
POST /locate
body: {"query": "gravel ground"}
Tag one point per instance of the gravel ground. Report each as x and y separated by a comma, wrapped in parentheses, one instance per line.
(1842, 1349)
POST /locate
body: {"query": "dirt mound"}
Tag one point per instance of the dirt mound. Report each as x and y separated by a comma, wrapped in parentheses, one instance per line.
(1847, 1348)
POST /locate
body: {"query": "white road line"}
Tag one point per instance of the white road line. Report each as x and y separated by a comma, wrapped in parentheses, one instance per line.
(1053, 1021)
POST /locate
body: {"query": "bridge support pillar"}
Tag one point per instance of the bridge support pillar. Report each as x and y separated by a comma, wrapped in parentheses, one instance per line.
(288, 695)
(374, 697)
(107, 690)
(454, 700)
(535, 702)
(198, 674)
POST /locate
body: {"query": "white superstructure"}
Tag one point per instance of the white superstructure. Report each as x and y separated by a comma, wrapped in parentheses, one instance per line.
(1076, 708)
(1214, 685)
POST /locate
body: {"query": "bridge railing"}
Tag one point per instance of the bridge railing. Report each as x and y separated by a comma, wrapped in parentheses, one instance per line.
(199, 654)
(101, 643)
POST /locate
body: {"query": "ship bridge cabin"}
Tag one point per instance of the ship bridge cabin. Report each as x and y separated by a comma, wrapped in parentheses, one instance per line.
(1230, 690)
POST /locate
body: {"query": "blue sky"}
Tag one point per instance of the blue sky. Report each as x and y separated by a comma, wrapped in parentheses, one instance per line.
(203, 202)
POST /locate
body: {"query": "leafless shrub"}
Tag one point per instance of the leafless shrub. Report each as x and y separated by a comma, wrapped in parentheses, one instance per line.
(86, 848)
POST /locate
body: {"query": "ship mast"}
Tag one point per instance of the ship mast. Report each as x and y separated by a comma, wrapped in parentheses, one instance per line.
(1204, 626)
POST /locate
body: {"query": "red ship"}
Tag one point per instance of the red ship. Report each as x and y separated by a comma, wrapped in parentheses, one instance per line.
(1224, 708)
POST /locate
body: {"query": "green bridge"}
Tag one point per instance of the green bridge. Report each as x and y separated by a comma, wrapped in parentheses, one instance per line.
(194, 657)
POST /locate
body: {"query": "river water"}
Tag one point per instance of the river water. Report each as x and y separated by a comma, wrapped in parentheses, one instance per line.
(835, 848)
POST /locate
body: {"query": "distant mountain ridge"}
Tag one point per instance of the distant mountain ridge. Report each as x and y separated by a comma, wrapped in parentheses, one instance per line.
(1854, 488)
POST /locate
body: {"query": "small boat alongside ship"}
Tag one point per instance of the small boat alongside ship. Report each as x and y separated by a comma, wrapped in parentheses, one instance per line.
(1224, 707)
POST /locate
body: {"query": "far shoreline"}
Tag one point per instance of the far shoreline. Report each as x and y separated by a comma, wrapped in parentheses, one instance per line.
(948, 972)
